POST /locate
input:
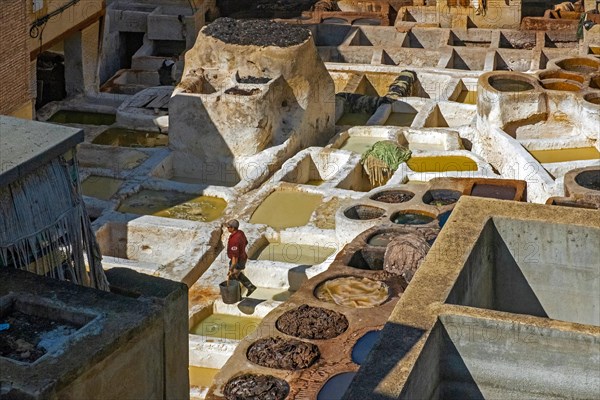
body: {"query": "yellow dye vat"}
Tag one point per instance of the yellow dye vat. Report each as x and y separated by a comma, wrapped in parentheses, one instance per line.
(202, 377)
(315, 182)
(224, 326)
(564, 155)
(359, 144)
(175, 205)
(467, 97)
(285, 209)
(353, 292)
(353, 119)
(301, 254)
(131, 138)
(100, 187)
(441, 164)
(400, 119)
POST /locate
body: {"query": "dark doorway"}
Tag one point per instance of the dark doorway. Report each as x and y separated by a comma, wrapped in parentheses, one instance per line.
(50, 70)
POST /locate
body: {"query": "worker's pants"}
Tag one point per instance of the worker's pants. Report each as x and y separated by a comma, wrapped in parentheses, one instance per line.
(239, 275)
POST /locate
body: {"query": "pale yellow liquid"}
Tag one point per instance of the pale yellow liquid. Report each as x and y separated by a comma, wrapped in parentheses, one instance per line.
(467, 97)
(315, 182)
(353, 292)
(564, 155)
(225, 326)
(202, 377)
(441, 164)
(131, 138)
(100, 187)
(301, 254)
(285, 209)
(400, 119)
(354, 119)
(359, 144)
(270, 294)
(174, 205)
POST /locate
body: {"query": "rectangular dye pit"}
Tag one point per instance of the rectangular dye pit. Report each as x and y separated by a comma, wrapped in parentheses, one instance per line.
(202, 377)
(511, 60)
(465, 93)
(176, 250)
(82, 117)
(449, 115)
(354, 119)
(441, 164)
(423, 38)
(35, 330)
(518, 40)
(294, 253)
(472, 38)
(401, 119)
(534, 268)
(225, 326)
(315, 168)
(360, 144)
(123, 137)
(285, 209)
(565, 155)
(466, 59)
(101, 187)
(472, 358)
(171, 204)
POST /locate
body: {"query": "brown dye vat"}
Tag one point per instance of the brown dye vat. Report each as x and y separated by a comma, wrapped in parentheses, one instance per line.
(253, 386)
(593, 98)
(562, 75)
(280, 353)
(393, 196)
(561, 85)
(595, 82)
(589, 179)
(362, 212)
(582, 65)
(494, 191)
(308, 322)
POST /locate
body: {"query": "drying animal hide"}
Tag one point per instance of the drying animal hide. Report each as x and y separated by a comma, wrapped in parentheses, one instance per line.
(404, 255)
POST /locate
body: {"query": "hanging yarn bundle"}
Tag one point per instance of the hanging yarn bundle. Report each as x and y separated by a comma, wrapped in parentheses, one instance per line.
(45, 228)
(382, 159)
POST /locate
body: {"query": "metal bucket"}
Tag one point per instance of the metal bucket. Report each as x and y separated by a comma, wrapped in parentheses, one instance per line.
(231, 293)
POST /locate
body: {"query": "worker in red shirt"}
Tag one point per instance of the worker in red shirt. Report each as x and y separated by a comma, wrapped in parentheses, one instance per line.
(236, 251)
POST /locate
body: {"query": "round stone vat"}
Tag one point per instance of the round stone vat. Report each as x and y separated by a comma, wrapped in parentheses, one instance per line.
(559, 74)
(564, 86)
(589, 179)
(281, 353)
(363, 346)
(363, 212)
(254, 386)
(353, 291)
(393, 196)
(441, 197)
(595, 82)
(336, 386)
(579, 64)
(309, 322)
(412, 218)
(513, 84)
(369, 258)
(442, 219)
(593, 98)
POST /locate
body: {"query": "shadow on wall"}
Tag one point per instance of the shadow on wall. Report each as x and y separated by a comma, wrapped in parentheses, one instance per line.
(404, 338)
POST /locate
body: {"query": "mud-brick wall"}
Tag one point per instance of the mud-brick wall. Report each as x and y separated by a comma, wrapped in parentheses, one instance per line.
(14, 63)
